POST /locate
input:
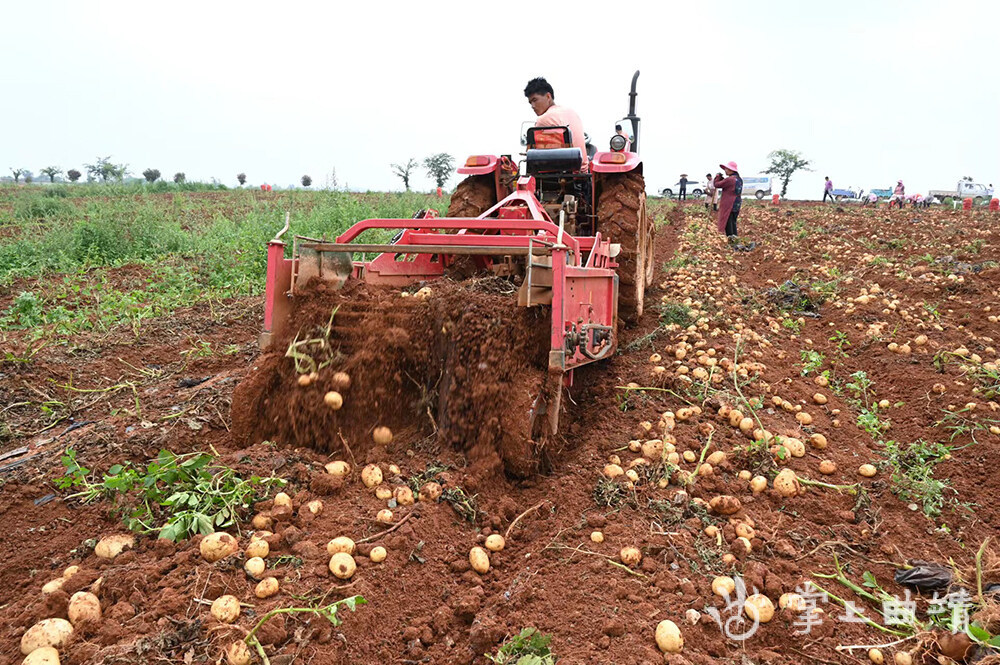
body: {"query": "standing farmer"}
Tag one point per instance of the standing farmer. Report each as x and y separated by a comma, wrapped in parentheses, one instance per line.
(710, 192)
(732, 198)
(827, 189)
(682, 193)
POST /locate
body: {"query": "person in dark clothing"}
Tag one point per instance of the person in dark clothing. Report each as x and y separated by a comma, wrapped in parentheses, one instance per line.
(682, 193)
(827, 189)
(732, 198)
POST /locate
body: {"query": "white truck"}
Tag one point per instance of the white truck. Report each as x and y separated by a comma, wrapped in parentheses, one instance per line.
(966, 189)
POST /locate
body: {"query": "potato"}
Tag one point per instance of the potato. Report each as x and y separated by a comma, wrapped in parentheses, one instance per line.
(689, 456)
(266, 588)
(597, 537)
(820, 398)
(744, 530)
(53, 585)
(430, 492)
(744, 543)
(262, 521)
(46, 633)
(716, 458)
(255, 567)
(804, 418)
(282, 499)
(827, 467)
(875, 656)
(43, 656)
(338, 468)
(377, 554)
(793, 601)
(84, 608)
(794, 446)
(382, 436)
(71, 571)
(226, 608)
(746, 425)
(258, 548)
(479, 560)
(711, 531)
(652, 449)
(668, 637)
(217, 546)
(744, 475)
(340, 544)
(111, 546)
(394, 470)
(630, 556)
(867, 470)
(305, 380)
(333, 399)
(903, 658)
(342, 565)
(725, 505)
(403, 495)
(371, 475)
(759, 607)
(758, 484)
(315, 507)
(723, 586)
(342, 380)
(818, 441)
(495, 542)
(787, 483)
(613, 471)
(238, 653)
(384, 516)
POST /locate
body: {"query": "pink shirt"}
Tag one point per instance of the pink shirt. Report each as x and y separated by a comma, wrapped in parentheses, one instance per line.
(561, 116)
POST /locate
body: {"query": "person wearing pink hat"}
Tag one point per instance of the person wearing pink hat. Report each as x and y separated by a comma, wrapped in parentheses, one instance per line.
(731, 187)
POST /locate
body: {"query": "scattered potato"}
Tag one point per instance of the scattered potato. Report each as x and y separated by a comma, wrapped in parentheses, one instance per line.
(596, 536)
(262, 521)
(479, 560)
(384, 516)
(793, 601)
(315, 506)
(867, 470)
(820, 398)
(723, 586)
(725, 504)
(758, 484)
(338, 468)
(226, 608)
(613, 471)
(371, 475)
(255, 567)
(42, 656)
(334, 400)
(668, 637)
(818, 441)
(495, 542)
(84, 607)
(430, 492)
(759, 607)
(827, 467)
(403, 495)
(787, 483)
(377, 554)
(282, 499)
(266, 588)
(258, 548)
(53, 585)
(382, 436)
(630, 556)
(111, 546)
(342, 565)
(305, 380)
(342, 380)
(875, 656)
(383, 493)
(340, 544)
(744, 530)
(238, 653)
(217, 546)
(70, 571)
(903, 658)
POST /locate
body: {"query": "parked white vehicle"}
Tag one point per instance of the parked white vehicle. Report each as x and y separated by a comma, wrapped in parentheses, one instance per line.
(965, 189)
(759, 186)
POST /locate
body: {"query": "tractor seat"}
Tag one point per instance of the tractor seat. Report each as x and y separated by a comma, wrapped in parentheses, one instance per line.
(554, 160)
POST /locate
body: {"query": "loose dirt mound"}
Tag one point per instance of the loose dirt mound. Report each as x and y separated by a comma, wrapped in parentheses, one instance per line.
(461, 366)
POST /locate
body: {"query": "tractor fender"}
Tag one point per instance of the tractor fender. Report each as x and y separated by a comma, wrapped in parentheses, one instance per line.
(602, 162)
(480, 165)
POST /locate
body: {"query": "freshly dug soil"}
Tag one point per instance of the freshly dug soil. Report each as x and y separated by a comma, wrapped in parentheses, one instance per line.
(462, 366)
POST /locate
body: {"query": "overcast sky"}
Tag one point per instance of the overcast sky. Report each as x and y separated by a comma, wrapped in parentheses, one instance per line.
(869, 91)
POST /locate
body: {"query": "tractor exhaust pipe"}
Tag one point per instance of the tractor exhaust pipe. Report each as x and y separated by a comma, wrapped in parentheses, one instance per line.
(632, 117)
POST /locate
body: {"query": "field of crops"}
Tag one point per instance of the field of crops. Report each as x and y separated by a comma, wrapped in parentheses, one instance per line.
(815, 420)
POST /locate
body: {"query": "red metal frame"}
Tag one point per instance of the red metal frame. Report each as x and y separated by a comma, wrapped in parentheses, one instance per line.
(584, 283)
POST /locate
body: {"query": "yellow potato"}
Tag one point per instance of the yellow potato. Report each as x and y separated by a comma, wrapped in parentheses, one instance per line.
(255, 567)
(382, 436)
(111, 546)
(430, 492)
(340, 544)
(723, 586)
(226, 608)
(759, 607)
(630, 556)
(342, 565)
(495, 542)
(377, 554)
(479, 560)
(258, 548)
(668, 637)
(238, 653)
(266, 588)
(371, 475)
(338, 468)
(334, 400)
(84, 608)
(217, 546)
(43, 656)
(46, 633)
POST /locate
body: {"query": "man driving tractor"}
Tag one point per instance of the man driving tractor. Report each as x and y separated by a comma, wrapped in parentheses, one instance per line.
(542, 99)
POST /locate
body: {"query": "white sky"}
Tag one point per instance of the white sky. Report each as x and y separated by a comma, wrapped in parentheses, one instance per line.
(870, 91)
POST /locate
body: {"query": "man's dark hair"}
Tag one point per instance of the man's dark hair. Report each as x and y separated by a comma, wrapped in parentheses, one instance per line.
(618, 127)
(538, 86)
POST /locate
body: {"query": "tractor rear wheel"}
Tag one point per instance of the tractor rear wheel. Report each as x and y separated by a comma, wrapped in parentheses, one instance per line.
(473, 196)
(621, 216)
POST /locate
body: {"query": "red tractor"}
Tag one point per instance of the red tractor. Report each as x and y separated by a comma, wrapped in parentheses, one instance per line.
(610, 199)
(574, 244)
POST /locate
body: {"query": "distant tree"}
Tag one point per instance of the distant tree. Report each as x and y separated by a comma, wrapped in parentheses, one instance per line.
(439, 167)
(179, 178)
(404, 172)
(29, 177)
(784, 164)
(17, 174)
(306, 181)
(242, 177)
(967, 178)
(106, 170)
(151, 175)
(51, 172)
(73, 175)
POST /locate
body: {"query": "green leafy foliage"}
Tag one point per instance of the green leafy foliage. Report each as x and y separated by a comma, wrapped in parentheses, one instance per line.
(530, 647)
(176, 496)
(912, 476)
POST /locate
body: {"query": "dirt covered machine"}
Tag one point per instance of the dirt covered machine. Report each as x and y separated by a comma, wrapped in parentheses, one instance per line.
(574, 246)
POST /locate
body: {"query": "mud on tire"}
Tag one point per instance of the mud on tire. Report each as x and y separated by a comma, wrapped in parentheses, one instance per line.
(621, 215)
